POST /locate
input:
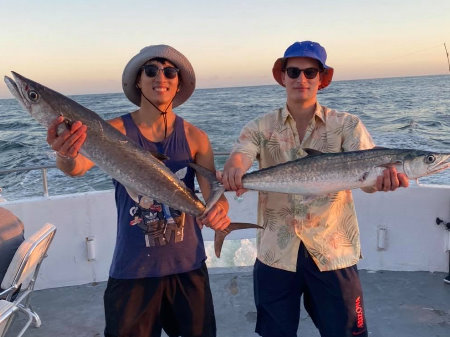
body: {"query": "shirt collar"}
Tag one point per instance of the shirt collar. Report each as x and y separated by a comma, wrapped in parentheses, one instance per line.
(285, 115)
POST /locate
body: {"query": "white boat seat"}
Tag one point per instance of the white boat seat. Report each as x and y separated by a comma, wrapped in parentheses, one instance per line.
(19, 280)
(6, 313)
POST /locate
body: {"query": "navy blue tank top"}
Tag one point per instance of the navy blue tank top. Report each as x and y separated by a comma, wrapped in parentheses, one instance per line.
(153, 239)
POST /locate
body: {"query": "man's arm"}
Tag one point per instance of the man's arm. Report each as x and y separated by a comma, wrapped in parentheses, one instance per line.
(235, 167)
(217, 217)
(68, 144)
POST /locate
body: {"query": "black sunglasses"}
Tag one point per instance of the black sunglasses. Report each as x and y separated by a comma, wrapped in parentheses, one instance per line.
(151, 71)
(294, 72)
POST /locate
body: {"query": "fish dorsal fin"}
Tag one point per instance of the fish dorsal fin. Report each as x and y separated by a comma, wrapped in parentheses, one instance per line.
(159, 155)
(312, 152)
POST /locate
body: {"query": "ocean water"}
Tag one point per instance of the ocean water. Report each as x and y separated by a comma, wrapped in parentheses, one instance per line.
(410, 112)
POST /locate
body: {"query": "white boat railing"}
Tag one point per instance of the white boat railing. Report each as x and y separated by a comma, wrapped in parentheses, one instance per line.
(44, 169)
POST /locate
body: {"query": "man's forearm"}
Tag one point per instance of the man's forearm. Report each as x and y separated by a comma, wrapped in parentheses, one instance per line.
(240, 160)
(71, 166)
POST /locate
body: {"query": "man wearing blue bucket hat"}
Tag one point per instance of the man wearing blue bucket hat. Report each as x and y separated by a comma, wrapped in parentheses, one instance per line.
(307, 247)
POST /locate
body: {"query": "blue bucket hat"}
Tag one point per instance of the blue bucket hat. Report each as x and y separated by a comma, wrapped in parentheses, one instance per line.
(305, 49)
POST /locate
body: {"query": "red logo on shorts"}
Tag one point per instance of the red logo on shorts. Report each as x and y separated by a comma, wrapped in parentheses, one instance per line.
(359, 316)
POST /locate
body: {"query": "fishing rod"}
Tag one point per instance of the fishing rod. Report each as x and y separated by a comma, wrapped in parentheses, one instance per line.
(448, 60)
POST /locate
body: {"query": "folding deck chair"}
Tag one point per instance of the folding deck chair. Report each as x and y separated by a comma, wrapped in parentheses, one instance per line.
(6, 314)
(20, 279)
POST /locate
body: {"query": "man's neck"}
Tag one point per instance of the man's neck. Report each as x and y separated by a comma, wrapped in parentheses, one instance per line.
(302, 111)
(151, 122)
(149, 114)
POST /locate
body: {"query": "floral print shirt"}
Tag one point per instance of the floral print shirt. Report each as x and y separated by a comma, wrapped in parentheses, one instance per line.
(327, 225)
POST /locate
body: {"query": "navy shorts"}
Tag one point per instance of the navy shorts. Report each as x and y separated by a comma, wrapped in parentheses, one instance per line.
(181, 304)
(333, 299)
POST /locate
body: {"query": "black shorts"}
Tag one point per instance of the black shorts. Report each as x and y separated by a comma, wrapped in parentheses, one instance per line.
(181, 304)
(333, 299)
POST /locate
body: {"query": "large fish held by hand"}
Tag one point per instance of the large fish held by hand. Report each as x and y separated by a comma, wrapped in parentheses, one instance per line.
(135, 168)
(323, 173)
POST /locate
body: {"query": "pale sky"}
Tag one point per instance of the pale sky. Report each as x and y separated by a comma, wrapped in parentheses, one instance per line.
(82, 46)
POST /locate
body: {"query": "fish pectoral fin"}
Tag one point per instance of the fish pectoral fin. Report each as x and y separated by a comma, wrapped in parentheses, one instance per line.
(219, 236)
(312, 152)
(391, 164)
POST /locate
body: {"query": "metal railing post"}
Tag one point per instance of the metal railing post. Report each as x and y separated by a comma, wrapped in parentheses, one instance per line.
(44, 169)
(44, 181)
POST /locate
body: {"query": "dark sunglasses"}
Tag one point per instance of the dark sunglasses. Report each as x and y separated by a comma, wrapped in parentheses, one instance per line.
(294, 72)
(151, 71)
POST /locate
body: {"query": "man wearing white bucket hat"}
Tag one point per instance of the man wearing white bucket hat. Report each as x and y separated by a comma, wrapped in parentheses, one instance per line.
(305, 248)
(158, 276)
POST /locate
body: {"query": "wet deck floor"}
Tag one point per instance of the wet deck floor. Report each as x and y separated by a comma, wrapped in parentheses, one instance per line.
(396, 303)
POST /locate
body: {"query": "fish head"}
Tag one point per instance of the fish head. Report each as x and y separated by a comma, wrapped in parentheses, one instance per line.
(424, 164)
(40, 101)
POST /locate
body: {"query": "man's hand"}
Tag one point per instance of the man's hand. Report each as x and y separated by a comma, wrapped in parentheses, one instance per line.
(68, 143)
(216, 218)
(389, 181)
(232, 180)
(235, 167)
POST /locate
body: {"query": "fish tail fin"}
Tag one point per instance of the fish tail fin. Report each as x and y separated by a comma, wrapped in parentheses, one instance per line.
(219, 236)
(216, 187)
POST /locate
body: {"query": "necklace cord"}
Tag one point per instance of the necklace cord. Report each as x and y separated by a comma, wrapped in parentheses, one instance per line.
(163, 113)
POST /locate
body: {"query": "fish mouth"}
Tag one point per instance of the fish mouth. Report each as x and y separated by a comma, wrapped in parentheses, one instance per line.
(14, 88)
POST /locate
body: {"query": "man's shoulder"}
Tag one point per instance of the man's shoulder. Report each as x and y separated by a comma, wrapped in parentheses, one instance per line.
(193, 131)
(337, 116)
(117, 123)
(268, 119)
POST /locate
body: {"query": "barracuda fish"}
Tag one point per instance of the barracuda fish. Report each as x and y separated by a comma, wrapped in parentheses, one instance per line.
(323, 173)
(113, 152)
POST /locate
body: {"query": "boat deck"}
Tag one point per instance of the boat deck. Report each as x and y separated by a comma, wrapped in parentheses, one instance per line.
(396, 303)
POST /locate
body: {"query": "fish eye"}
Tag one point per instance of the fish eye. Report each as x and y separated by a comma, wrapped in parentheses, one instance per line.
(33, 95)
(429, 159)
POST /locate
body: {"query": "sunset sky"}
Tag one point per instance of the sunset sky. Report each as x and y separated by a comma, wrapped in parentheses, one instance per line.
(81, 47)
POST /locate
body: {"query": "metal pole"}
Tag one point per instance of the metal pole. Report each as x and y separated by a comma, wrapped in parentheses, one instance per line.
(448, 60)
(44, 181)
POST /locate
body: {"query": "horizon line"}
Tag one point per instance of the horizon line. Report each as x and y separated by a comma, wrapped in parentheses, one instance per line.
(256, 85)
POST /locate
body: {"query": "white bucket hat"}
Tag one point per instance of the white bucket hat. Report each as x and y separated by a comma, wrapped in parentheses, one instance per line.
(186, 73)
